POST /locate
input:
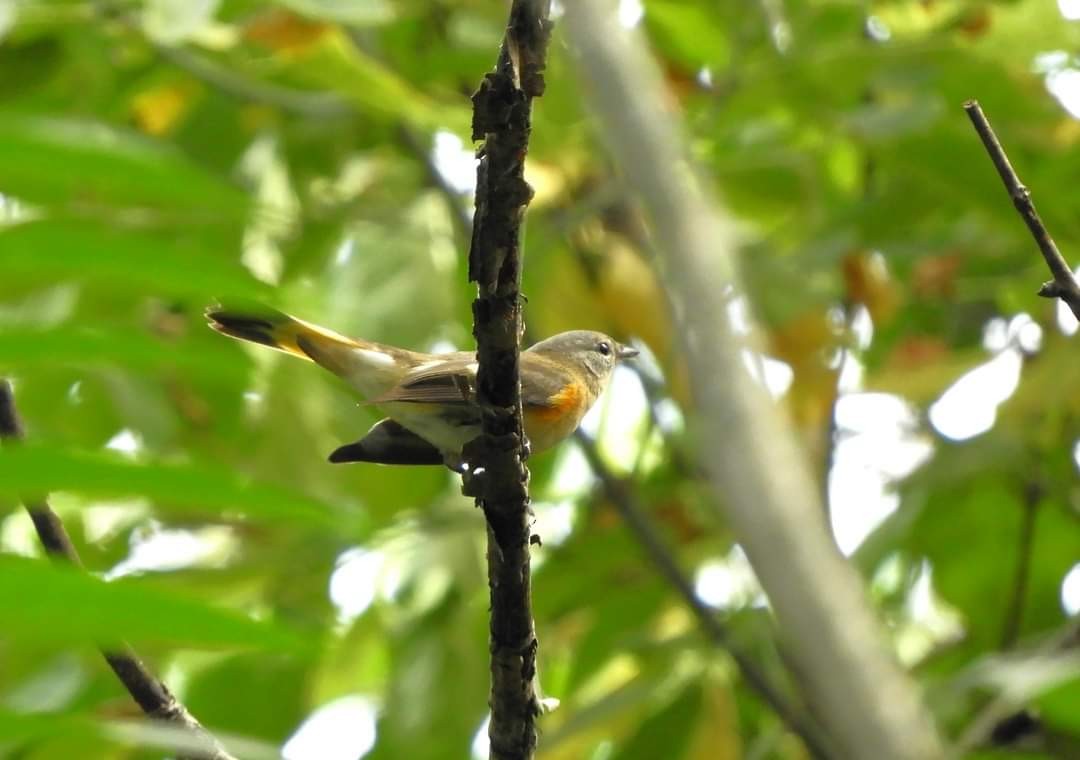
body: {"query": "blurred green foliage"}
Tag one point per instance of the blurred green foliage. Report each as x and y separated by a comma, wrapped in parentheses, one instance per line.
(157, 155)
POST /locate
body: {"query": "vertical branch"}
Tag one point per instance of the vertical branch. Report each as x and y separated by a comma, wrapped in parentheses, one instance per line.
(502, 111)
(1014, 613)
(152, 695)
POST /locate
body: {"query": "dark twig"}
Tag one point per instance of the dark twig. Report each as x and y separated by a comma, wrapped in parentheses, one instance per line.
(1064, 285)
(152, 696)
(1014, 613)
(456, 202)
(308, 103)
(633, 514)
(502, 114)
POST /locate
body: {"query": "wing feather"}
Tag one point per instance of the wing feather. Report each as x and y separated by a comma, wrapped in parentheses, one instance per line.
(543, 383)
(452, 381)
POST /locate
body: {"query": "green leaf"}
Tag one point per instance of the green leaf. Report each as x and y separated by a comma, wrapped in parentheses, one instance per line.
(1060, 706)
(63, 160)
(688, 32)
(608, 636)
(35, 469)
(90, 736)
(223, 694)
(666, 733)
(169, 262)
(376, 90)
(172, 21)
(131, 350)
(65, 605)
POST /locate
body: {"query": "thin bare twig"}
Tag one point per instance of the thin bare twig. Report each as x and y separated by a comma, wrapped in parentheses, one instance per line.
(1064, 285)
(309, 103)
(151, 694)
(455, 201)
(633, 515)
(498, 477)
(1014, 614)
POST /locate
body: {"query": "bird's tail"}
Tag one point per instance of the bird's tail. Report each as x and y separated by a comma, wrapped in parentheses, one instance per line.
(277, 330)
(370, 368)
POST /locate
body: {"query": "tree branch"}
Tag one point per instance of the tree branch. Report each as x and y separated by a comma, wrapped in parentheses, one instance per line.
(498, 477)
(633, 515)
(308, 103)
(456, 202)
(828, 631)
(152, 696)
(1014, 614)
(1064, 285)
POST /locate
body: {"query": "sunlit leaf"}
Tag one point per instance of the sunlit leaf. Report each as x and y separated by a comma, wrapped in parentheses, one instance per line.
(88, 732)
(89, 347)
(665, 733)
(171, 21)
(171, 261)
(689, 32)
(199, 488)
(62, 604)
(61, 160)
(355, 12)
(376, 91)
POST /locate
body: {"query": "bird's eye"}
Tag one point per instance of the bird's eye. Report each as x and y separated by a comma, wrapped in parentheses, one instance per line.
(604, 348)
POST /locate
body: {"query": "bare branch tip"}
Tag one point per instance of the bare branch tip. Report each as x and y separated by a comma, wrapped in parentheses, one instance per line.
(1050, 290)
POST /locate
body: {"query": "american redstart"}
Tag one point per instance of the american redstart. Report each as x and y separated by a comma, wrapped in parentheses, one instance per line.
(430, 399)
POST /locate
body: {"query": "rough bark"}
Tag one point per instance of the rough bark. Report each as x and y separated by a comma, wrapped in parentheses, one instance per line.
(499, 478)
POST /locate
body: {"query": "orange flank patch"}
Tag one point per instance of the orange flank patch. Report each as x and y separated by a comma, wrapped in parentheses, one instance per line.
(547, 425)
(561, 404)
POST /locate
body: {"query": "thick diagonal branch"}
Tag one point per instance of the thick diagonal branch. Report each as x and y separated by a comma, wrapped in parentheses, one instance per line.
(828, 631)
(1064, 285)
(502, 112)
(152, 696)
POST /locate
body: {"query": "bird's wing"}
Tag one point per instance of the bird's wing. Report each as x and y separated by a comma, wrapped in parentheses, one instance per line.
(544, 385)
(444, 381)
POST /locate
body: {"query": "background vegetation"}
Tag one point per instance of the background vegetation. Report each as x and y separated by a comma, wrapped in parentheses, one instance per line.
(308, 153)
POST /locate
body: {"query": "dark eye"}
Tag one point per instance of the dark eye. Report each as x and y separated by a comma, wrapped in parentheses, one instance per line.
(604, 348)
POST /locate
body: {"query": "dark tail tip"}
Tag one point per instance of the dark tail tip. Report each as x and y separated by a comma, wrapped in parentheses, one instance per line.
(252, 326)
(351, 452)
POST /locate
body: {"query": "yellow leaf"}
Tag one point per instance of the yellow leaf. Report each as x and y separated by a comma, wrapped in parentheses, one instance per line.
(158, 110)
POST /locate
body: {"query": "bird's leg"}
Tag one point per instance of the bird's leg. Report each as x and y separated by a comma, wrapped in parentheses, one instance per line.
(455, 462)
(472, 478)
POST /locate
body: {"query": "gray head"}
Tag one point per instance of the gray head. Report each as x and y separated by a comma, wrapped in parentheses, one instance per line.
(593, 351)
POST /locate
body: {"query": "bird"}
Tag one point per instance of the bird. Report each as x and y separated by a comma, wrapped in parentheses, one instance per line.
(430, 399)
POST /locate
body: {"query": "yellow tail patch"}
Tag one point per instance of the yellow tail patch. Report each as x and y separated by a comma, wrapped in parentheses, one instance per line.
(274, 329)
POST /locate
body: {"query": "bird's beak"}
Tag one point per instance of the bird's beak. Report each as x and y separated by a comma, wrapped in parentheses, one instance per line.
(626, 352)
